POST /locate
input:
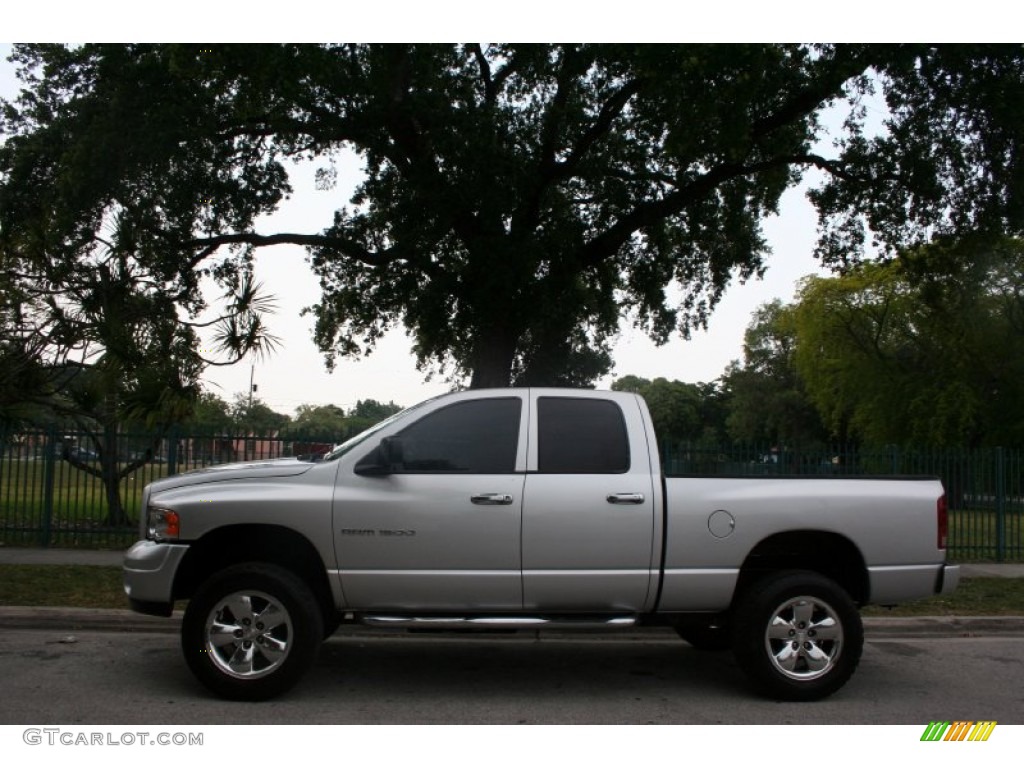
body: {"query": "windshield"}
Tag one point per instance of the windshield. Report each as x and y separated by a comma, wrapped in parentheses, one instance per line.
(340, 450)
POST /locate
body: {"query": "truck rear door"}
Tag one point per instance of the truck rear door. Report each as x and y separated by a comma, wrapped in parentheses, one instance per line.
(589, 503)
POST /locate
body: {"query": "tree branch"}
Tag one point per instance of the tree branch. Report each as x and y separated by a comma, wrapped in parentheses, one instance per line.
(342, 245)
(645, 214)
(504, 73)
(554, 116)
(853, 61)
(607, 244)
(490, 92)
(610, 110)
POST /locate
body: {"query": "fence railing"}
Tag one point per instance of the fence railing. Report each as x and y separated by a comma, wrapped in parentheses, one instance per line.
(984, 487)
(50, 494)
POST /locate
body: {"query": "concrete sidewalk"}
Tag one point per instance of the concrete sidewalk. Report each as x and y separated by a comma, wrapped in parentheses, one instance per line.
(29, 556)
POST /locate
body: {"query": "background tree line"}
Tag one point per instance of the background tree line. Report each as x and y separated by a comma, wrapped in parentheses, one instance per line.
(926, 350)
(251, 416)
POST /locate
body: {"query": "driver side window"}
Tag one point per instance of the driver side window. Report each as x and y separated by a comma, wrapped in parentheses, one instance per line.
(475, 437)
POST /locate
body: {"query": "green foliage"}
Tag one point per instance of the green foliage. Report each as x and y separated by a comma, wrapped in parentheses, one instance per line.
(81, 586)
(373, 411)
(767, 402)
(211, 415)
(319, 421)
(519, 199)
(28, 390)
(366, 413)
(106, 352)
(251, 416)
(926, 349)
(948, 162)
(677, 409)
(331, 421)
(85, 250)
(30, 381)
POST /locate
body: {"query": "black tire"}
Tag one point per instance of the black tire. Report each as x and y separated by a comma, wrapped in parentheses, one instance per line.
(251, 631)
(707, 637)
(797, 636)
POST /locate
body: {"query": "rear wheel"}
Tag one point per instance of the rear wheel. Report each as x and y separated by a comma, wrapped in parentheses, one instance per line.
(251, 631)
(798, 636)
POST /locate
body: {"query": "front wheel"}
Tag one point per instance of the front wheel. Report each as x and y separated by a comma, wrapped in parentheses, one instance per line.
(251, 631)
(797, 636)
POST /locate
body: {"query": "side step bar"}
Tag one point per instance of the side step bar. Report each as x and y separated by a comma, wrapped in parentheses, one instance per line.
(497, 622)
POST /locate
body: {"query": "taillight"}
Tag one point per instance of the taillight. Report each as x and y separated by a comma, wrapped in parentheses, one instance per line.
(942, 515)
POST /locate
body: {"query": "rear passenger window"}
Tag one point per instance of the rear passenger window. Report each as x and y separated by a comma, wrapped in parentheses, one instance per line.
(578, 436)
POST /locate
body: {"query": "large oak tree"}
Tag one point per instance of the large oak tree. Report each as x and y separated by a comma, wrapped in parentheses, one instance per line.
(519, 200)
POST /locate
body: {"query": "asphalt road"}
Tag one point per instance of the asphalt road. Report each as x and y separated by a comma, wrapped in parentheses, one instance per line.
(95, 677)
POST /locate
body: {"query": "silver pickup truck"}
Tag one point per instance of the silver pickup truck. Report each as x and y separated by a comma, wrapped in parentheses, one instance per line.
(528, 508)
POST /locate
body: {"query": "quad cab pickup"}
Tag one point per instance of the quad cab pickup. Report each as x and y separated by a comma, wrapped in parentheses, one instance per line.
(529, 508)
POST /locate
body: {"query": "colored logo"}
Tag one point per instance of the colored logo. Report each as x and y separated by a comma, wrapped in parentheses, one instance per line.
(960, 730)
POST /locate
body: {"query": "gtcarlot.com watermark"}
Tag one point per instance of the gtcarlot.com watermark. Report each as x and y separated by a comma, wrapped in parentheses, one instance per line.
(54, 737)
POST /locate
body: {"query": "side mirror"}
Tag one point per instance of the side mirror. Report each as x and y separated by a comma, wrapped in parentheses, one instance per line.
(392, 453)
(386, 458)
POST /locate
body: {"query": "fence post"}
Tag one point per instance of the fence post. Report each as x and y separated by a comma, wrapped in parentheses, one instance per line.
(894, 459)
(172, 451)
(1000, 505)
(49, 465)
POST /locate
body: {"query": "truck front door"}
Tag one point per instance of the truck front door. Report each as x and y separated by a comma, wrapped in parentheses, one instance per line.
(441, 530)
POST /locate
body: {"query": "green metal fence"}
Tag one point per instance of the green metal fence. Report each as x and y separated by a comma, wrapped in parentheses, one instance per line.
(984, 487)
(48, 501)
(45, 500)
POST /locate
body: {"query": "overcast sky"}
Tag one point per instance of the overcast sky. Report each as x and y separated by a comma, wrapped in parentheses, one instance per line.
(296, 373)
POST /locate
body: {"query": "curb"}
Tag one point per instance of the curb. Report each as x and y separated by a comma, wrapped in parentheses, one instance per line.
(85, 620)
(107, 620)
(944, 626)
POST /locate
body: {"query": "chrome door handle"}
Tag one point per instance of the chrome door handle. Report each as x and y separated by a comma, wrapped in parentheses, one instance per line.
(491, 498)
(625, 498)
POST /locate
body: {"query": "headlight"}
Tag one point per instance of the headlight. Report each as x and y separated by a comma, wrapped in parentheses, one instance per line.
(162, 524)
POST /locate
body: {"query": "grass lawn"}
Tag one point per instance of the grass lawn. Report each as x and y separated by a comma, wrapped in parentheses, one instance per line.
(77, 586)
(91, 586)
(973, 597)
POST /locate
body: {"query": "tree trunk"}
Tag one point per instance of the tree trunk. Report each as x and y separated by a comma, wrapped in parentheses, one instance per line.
(116, 517)
(493, 356)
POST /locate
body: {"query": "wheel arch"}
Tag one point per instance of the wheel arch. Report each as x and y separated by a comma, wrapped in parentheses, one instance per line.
(830, 554)
(234, 544)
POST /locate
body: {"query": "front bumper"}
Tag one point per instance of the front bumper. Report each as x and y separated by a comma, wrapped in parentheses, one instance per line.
(149, 570)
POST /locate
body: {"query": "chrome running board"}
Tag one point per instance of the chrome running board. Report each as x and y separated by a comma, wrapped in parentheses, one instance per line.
(497, 622)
